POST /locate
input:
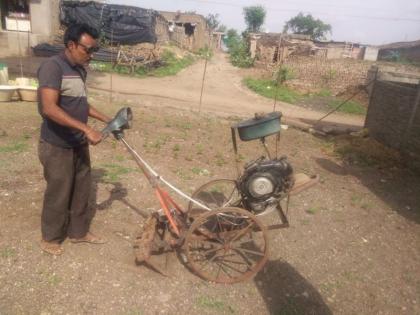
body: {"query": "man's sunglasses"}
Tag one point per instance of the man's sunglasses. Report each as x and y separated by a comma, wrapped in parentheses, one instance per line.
(89, 50)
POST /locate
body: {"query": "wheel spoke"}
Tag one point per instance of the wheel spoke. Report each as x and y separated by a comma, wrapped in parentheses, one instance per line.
(242, 232)
(221, 229)
(246, 259)
(229, 249)
(228, 203)
(231, 267)
(207, 261)
(215, 200)
(238, 262)
(218, 271)
(248, 251)
(212, 250)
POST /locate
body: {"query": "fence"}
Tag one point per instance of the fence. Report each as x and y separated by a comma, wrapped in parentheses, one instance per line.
(393, 116)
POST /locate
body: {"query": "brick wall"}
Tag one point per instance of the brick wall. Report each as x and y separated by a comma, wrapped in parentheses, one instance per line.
(391, 108)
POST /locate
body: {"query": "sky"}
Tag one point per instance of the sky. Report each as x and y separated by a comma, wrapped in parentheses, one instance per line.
(373, 22)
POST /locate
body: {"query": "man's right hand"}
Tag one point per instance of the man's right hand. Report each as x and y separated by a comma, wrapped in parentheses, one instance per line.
(93, 136)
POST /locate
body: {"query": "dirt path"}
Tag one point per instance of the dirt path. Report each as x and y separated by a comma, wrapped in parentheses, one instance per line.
(223, 92)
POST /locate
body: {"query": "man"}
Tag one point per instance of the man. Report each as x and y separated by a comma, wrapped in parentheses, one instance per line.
(65, 139)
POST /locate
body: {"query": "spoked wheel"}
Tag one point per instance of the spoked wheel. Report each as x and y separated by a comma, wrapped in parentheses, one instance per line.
(227, 245)
(217, 194)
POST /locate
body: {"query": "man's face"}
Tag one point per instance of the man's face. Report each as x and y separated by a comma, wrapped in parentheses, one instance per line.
(82, 51)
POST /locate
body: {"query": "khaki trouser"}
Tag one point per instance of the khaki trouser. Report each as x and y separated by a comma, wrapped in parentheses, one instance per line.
(65, 210)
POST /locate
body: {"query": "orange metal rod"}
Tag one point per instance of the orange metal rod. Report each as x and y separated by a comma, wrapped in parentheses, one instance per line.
(168, 214)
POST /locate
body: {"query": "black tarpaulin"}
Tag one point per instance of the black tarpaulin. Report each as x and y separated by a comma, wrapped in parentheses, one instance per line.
(117, 23)
(106, 55)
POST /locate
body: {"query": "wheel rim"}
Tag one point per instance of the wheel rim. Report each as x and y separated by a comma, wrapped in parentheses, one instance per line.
(217, 194)
(227, 245)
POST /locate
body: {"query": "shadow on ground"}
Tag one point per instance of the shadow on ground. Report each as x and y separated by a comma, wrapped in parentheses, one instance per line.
(398, 187)
(285, 291)
(332, 128)
(117, 193)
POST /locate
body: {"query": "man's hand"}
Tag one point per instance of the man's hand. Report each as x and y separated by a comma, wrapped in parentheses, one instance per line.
(93, 136)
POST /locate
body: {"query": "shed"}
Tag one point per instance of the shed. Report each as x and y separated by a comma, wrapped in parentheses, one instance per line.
(401, 51)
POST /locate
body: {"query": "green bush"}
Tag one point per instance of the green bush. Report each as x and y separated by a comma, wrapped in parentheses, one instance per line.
(238, 50)
(171, 64)
(205, 53)
(283, 74)
(240, 57)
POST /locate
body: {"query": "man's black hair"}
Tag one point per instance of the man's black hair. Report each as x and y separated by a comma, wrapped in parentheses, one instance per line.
(75, 31)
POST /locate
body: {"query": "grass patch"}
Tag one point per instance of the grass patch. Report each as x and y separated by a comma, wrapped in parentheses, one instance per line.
(359, 201)
(115, 171)
(312, 210)
(269, 88)
(323, 93)
(53, 279)
(158, 143)
(7, 252)
(170, 65)
(182, 174)
(185, 125)
(200, 171)
(220, 161)
(214, 304)
(200, 149)
(17, 147)
(350, 107)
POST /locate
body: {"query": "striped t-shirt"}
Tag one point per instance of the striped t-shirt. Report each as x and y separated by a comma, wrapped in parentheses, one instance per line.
(60, 74)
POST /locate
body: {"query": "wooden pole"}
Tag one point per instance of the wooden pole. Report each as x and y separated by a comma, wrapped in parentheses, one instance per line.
(19, 47)
(202, 86)
(110, 77)
(279, 55)
(30, 55)
(204, 74)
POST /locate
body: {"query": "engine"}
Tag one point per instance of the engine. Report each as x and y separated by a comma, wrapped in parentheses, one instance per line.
(265, 182)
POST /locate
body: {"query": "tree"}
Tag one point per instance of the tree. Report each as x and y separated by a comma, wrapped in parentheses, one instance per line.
(238, 49)
(232, 38)
(212, 21)
(254, 17)
(221, 28)
(307, 25)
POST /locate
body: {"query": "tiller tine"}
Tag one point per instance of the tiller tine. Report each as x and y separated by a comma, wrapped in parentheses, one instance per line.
(143, 245)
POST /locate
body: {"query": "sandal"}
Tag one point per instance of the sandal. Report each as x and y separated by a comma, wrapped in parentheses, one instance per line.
(52, 248)
(88, 238)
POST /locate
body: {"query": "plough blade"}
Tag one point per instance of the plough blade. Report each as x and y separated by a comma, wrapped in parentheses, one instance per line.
(144, 244)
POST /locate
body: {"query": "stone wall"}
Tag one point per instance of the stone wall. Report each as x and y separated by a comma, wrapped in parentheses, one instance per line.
(311, 73)
(393, 118)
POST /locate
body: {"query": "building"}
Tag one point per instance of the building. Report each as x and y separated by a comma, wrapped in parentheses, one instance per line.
(187, 30)
(270, 48)
(26, 23)
(401, 51)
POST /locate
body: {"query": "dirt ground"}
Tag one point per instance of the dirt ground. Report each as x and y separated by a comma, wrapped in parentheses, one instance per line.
(352, 247)
(223, 91)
